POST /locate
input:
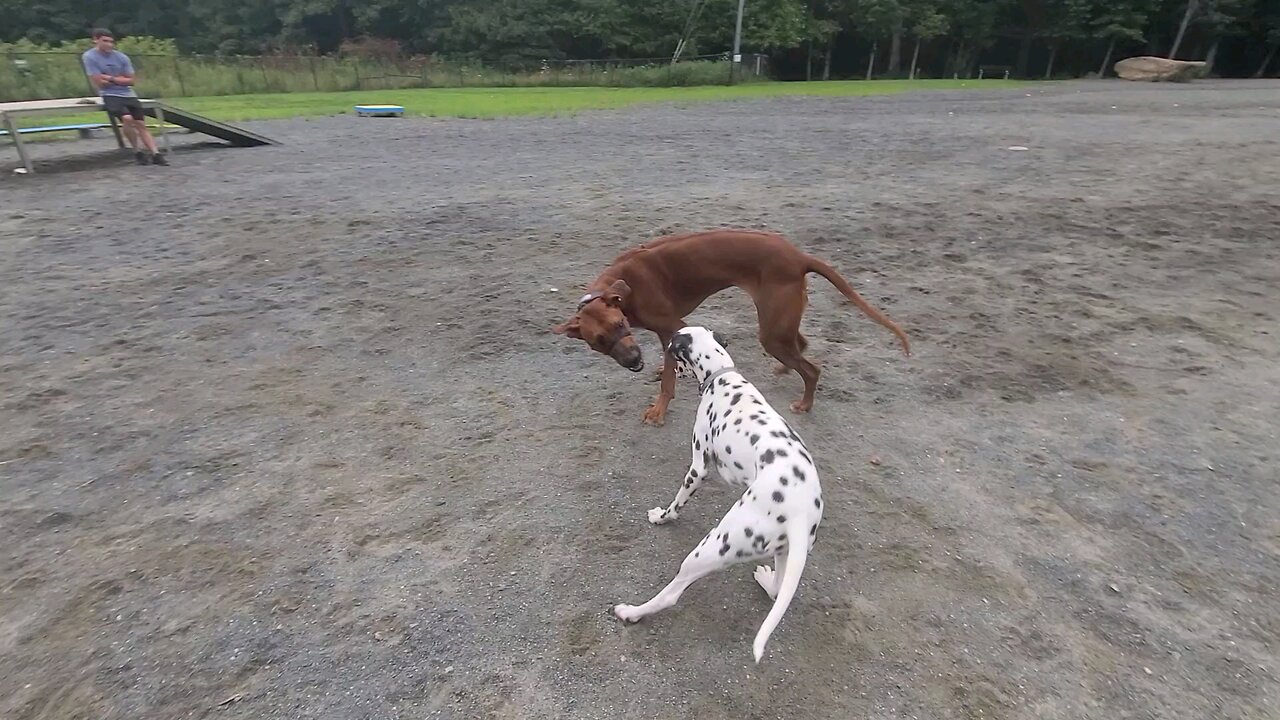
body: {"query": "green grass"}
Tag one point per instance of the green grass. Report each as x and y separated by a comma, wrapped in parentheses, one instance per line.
(502, 102)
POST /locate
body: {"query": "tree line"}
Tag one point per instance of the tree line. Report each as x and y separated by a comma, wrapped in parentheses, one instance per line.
(815, 38)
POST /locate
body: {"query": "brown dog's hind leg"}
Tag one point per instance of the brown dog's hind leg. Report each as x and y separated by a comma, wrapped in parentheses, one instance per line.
(803, 344)
(780, 310)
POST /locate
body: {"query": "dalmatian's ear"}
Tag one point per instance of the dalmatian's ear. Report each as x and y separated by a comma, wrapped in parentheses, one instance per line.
(679, 345)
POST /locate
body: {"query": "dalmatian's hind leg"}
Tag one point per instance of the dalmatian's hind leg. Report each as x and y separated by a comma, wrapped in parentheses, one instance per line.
(770, 578)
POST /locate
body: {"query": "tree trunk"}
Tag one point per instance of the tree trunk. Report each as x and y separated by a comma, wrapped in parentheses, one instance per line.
(1262, 69)
(1106, 59)
(1182, 29)
(1210, 57)
(1024, 55)
(895, 50)
(826, 66)
(808, 63)
(871, 60)
(915, 55)
(1053, 54)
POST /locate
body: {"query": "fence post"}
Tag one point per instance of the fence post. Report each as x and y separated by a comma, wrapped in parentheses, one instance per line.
(314, 77)
(177, 70)
(262, 65)
(356, 64)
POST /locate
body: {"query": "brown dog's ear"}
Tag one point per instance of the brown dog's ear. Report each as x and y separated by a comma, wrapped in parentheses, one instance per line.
(570, 329)
(617, 293)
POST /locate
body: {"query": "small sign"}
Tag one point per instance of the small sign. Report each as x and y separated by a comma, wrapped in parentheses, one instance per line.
(737, 58)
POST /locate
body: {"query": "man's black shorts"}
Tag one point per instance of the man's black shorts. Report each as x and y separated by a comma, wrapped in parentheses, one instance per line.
(120, 106)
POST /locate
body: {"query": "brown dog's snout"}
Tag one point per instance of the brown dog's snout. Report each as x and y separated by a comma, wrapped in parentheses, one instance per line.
(627, 354)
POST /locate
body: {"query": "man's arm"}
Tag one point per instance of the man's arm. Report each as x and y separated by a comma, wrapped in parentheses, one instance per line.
(126, 78)
(97, 79)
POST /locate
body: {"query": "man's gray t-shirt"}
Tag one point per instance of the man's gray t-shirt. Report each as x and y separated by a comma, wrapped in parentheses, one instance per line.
(109, 63)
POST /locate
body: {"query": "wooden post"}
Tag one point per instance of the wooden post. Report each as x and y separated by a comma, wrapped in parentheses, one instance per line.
(177, 70)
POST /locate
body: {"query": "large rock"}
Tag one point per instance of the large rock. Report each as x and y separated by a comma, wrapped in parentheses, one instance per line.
(1155, 69)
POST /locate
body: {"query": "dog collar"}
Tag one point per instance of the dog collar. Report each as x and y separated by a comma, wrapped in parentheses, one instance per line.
(582, 301)
(702, 388)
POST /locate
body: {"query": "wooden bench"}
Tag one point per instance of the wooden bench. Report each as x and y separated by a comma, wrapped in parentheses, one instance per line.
(993, 70)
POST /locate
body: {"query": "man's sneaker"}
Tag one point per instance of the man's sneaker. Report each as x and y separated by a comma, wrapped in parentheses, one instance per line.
(159, 159)
(140, 157)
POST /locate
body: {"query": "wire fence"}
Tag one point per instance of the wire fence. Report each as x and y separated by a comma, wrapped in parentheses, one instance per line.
(45, 75)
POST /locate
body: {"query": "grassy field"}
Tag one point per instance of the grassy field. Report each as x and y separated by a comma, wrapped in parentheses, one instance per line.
(500, 102)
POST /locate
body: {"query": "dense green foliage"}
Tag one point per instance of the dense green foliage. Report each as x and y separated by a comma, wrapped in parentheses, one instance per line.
(1035, 37)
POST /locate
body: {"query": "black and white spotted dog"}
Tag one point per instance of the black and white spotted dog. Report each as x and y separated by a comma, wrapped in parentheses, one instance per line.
(746, 443)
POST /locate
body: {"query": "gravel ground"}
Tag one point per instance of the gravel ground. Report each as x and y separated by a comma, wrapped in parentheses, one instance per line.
(284, 433)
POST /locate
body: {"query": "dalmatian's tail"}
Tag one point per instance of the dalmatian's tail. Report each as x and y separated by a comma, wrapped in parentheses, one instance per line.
(798, 552)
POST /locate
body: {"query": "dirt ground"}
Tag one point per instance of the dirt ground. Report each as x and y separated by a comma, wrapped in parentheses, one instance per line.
(284, 433)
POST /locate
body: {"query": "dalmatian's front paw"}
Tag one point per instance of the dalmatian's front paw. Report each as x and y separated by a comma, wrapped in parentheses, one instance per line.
(660, 516)
(626, 613)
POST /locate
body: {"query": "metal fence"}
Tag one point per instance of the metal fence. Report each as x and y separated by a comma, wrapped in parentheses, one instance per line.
(41, 75)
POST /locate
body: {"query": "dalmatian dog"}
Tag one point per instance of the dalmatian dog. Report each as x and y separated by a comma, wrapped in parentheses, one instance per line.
(746, 443)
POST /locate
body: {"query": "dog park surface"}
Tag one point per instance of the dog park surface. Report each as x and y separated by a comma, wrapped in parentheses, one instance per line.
(286, 435)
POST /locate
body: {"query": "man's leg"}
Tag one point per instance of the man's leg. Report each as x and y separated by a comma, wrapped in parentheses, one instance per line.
(139, 119)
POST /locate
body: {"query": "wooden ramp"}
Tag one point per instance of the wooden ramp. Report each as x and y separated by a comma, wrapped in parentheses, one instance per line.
(201, 124)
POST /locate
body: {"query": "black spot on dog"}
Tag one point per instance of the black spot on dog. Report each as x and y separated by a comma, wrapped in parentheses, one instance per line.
(728, 450)
(724, 549)
(738, 421)
(798, 473)
(783, 480)
(693, 473)
(782, 518)
(736, 398)
(738, 465)
(817, 502)
(749, 532)
(813, 530)
(755, 416)
(741, 553)
(767, 457)
(722, 382)
(782, 453)
(755, 439)
(762, 423)
(695, 553)
(777, 496)
(778, 434)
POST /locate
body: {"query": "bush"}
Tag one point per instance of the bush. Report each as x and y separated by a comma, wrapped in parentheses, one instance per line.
(29, 72)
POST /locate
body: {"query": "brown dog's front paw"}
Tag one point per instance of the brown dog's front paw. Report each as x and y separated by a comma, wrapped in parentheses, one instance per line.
(800, 407)
(655, 416)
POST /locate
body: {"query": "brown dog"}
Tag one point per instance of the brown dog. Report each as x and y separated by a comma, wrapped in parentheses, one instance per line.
(654, 285)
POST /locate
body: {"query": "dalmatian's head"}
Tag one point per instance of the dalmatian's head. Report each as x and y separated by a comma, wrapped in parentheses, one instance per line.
(699, 351)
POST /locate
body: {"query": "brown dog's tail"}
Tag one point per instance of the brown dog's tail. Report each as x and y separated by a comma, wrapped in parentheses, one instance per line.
(828, 272)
